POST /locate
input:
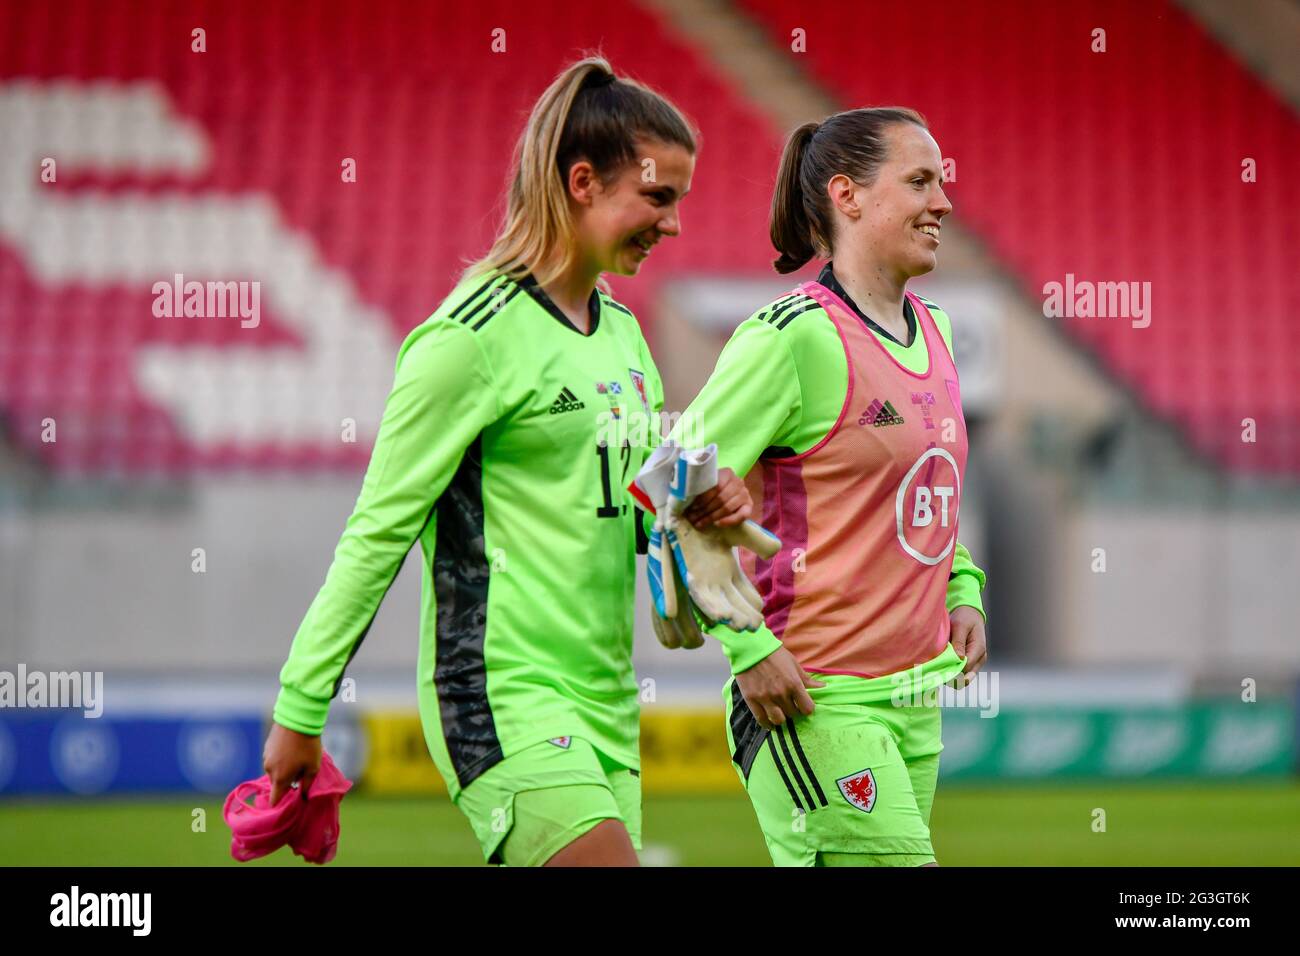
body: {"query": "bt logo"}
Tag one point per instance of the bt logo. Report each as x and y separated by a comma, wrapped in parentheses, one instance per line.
(923, 513)
(927, 504)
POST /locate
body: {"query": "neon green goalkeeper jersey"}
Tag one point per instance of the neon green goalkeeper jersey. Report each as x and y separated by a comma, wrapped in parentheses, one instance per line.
(505, 449)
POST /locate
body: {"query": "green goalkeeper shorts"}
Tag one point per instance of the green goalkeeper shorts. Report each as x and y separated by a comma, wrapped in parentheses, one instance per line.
(536, 802)
(852, 784)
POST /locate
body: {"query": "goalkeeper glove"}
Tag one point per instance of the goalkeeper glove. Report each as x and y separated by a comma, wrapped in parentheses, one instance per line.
(702, 564)
(673, 617)
(706, 558)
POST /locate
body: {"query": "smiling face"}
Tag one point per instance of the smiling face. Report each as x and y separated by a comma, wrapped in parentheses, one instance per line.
(617, 223)
(895, 220)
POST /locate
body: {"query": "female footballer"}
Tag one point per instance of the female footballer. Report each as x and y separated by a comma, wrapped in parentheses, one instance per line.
(841, 404)
(493, 454)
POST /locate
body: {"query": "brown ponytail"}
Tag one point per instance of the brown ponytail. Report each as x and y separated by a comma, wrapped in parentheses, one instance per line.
(852, 143)
(791, 229)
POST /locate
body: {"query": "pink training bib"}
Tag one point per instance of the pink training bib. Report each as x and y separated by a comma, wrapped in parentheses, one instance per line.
(867, 517)
(310, 824)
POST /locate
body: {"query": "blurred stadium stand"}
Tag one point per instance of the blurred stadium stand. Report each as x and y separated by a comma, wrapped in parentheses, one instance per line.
(1112, 166)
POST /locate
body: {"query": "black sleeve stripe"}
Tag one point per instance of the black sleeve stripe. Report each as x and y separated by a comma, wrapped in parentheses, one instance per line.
(474, 295)
(766, 314)
(795, 303)
(493, 307)
(799, 311)
(491, 303)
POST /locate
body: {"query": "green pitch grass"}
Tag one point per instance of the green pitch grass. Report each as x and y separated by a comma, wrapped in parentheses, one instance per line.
(1207, 824)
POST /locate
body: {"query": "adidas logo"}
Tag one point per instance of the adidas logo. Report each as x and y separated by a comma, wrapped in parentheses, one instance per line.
(567, 402)
(880, 413)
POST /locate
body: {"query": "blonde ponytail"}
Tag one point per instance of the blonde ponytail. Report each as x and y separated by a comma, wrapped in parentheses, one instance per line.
(586, 113)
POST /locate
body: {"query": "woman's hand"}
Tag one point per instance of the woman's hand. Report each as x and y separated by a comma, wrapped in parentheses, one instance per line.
(968, 641)
(290, 756)
(775, 688)
(726, 503)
